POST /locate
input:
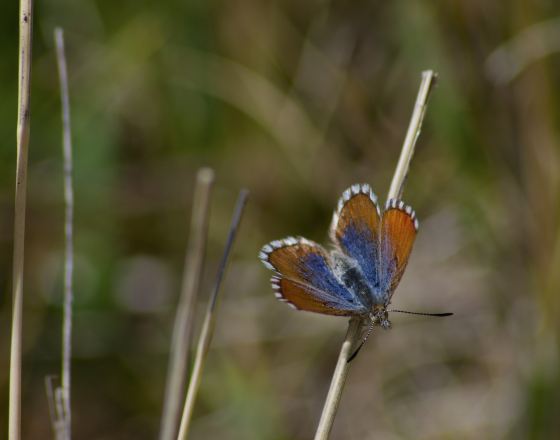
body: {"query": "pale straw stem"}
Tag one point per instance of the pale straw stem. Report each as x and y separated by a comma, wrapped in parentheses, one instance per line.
(24, 80)
(407, 151)
(353, 334)
(182, 330)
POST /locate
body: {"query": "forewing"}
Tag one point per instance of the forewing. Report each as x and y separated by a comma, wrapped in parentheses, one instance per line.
(305, 279)
(398, 232)
(355, 229)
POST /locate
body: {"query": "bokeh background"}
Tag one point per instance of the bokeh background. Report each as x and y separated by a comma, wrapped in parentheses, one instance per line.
(294, 101)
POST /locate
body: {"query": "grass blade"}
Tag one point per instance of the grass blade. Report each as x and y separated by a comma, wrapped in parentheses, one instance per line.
(65, 424)
(209, 321)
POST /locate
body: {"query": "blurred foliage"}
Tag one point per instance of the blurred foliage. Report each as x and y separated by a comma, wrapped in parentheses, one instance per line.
(295, 101)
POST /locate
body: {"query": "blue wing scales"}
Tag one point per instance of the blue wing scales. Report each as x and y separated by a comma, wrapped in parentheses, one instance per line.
(305, 278)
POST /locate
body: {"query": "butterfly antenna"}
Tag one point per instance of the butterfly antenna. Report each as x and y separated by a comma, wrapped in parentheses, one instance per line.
(369, 330)
(439, 315)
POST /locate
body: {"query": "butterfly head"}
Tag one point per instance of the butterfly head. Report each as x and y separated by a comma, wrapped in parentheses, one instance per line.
(380, 317)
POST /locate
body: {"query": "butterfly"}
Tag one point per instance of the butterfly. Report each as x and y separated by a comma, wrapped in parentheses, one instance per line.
(359, 276)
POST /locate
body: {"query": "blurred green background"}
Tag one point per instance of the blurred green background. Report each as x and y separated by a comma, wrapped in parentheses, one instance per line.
(295, 101)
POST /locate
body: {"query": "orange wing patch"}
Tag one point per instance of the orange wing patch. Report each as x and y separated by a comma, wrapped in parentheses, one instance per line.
(300, 296)
(357, 207)
(283, 255)
(398, 232)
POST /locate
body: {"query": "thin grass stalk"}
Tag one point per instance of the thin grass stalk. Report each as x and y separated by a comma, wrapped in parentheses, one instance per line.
(429, 78)
(209, 322)
(24, 81)
(184, 318)
(353, 334)
(65, 431)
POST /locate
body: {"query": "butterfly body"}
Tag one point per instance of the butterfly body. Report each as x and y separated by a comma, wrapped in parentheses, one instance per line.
(359, 276)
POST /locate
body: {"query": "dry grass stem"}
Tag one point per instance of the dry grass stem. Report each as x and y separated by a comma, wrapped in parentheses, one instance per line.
(415, 125)
(353, 334)
(65, 416)
(209, 321)
(182, 331)
(24, 80)
(338, 380)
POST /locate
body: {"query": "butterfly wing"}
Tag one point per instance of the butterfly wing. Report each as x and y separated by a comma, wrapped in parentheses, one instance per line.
(355, 229)
(398, 232)
(305, 278)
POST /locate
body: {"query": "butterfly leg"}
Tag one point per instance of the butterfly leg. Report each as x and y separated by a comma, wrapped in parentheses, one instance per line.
(370, 323)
